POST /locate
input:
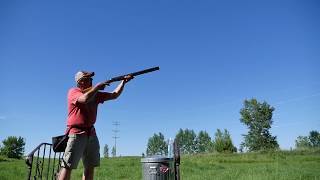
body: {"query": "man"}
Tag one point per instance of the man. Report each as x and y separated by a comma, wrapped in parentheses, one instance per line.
(82, 112)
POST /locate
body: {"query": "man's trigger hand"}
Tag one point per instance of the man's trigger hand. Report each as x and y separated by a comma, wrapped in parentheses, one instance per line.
(102, 85)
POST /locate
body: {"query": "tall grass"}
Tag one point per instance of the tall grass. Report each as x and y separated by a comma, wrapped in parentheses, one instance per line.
(260, 166)
(114, 168)
(291, 165)
(12, 169)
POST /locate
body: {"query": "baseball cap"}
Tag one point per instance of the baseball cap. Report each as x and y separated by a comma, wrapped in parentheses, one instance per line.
(82, 74)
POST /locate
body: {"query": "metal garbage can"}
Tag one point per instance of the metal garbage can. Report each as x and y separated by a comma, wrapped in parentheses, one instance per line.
(157, 168)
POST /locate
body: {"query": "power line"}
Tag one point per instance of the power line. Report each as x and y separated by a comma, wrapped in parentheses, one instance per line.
(115, 137)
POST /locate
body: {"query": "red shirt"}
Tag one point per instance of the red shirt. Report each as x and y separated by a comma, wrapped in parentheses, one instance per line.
(82, 115)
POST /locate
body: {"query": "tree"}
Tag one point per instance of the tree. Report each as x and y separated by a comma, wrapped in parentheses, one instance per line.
(302, 142)
(106, 151)
(113, 151)
(258, 117)
(314, 137)
(223, 142)
(311, 141)
(13, 147)
(157, 145)
(203, 142)
(187, 141)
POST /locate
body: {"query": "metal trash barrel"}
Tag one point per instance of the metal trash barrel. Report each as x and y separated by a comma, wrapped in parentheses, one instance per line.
(157, 168)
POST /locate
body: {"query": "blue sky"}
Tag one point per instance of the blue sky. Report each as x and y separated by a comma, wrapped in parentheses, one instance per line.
(212, 56)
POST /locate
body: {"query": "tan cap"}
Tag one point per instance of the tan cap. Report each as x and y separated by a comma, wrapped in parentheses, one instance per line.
(81, 74)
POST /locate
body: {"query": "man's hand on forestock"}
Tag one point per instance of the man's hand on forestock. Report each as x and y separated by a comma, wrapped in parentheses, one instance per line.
(127, 78)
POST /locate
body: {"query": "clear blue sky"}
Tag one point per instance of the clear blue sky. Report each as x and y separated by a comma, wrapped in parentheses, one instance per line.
(212, 54)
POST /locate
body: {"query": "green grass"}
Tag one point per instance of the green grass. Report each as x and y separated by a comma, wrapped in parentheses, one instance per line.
(300, 165)
(114, 168)
(12, 169)
(278, 165)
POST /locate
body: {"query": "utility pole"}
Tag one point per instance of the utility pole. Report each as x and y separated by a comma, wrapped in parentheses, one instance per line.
(115, 131)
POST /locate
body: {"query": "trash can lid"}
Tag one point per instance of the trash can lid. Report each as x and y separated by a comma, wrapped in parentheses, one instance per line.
(156, 159)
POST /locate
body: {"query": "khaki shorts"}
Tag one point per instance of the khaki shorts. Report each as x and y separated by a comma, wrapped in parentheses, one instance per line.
(81, 146)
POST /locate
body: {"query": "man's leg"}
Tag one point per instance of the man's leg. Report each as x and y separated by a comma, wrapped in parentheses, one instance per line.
(91, 158)
(73, 152)
(88, 173)
(64, 174)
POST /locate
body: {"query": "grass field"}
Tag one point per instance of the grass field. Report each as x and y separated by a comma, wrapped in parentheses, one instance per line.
(302, 165)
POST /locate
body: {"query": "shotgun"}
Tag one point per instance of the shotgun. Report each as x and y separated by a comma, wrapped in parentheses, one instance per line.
(119, 78)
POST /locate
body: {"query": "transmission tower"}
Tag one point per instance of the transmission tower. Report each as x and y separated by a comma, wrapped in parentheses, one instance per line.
(115, 133)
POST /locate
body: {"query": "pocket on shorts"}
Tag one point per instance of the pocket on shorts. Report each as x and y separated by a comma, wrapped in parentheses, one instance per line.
(70, 143)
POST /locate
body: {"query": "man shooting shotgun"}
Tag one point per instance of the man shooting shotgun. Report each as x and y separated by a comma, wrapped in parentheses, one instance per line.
(83, 103)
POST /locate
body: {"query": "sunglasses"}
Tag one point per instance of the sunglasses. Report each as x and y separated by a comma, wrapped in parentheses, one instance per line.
(86, 79)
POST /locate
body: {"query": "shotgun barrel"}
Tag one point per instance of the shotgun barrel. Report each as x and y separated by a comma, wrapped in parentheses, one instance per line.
(119, 78)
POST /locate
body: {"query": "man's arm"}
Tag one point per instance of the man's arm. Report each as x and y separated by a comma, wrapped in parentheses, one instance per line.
(117, 92)
(90, 94)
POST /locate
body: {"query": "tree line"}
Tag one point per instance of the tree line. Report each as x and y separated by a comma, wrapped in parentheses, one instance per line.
(307, 142)
(191, 143)
(256, 116)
